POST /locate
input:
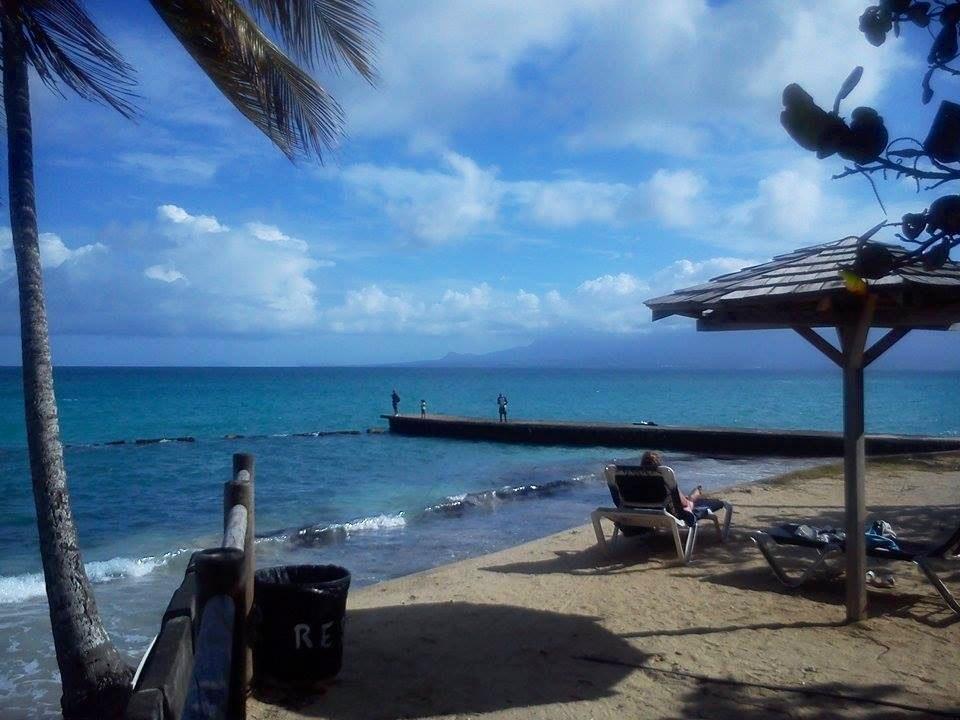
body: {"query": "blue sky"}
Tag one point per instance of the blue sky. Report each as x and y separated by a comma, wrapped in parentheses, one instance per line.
(521, 170)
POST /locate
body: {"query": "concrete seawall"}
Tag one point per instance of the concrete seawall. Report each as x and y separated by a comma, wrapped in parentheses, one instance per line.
(722, 441)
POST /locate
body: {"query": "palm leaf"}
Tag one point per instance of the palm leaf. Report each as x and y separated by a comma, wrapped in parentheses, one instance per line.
(63, 44)
(279, 98)
(326, 30)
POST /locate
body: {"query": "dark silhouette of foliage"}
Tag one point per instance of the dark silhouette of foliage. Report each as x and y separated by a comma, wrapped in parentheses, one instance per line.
(864, 142)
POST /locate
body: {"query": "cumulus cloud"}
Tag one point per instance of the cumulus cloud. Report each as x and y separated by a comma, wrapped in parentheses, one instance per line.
(431, 206)
(612, 285)
(53, 251)
(612, 303)
(163, 273)
(188, 274)
(177, 216)
(460, 198)
(252, 278)
(677, 77)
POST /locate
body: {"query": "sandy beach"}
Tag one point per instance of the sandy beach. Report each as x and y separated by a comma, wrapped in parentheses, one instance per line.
(556, 629)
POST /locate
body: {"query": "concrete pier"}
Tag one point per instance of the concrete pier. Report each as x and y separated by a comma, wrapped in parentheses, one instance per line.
(720, 441)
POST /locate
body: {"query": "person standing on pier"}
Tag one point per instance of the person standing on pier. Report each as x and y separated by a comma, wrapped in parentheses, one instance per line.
(395, 399)
(502, 406)
(423, 408)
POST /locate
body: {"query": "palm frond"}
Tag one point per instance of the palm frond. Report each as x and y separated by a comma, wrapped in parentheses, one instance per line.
(326, 30)
(269, 89)
(63, 44)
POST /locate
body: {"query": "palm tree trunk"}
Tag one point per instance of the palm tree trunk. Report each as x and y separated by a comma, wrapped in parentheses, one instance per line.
(94, 677)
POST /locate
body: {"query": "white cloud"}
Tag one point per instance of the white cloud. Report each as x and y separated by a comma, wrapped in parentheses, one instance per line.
(565, 203)
(788, 202)
(673, 77)
(273, 234)
(672, 196)
(197, 223)
(616, 285)
(163, 273)
(460, 198)
(187, 274)
(432, 206)
(53, 252)
(250, 279)
(612, 302)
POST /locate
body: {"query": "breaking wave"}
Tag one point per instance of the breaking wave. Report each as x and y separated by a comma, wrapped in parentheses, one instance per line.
(17, 588)
(449, 507)
(312, 535)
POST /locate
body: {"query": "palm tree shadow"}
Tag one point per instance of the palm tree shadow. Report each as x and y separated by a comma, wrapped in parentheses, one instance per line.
(456, 658)
(625, 555)
(755, 701)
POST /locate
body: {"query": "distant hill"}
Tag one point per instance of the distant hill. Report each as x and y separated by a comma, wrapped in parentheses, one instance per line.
(687, 349)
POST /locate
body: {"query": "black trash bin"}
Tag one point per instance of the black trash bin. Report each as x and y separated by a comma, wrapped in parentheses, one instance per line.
(300, 609)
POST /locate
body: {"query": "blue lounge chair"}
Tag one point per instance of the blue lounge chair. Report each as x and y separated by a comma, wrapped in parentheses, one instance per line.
(831, 546)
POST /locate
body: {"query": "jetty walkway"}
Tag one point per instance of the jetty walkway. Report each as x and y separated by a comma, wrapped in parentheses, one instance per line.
(720, 441)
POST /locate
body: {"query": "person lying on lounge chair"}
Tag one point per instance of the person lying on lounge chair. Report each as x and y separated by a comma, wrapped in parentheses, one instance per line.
(647, 498)
(652, 460)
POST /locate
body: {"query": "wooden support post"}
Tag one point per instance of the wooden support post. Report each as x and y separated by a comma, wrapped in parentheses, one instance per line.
(854, 468)
(240, 491)
(220, 579)
(853, 338)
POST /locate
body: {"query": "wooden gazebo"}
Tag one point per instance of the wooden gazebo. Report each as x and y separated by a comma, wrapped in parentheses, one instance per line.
(803, 290)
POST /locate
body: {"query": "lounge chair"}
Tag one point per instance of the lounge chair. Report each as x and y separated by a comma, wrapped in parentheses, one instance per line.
(828, 549)
(648, 499)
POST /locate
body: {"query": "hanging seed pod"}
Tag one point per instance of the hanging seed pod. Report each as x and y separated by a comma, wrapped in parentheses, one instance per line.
(944, 48)
(802, 118)
(944, 215)
(913, 224)
(936, 256)
(867, 137)
(943, 140)
(950, 15)
(875, 23)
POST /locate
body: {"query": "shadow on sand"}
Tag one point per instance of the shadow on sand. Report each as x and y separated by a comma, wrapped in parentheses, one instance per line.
(422, 660)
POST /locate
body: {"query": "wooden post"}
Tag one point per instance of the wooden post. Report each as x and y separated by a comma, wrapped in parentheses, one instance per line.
(854, 468)
(853, 338)
(211, 694)
(240, 491)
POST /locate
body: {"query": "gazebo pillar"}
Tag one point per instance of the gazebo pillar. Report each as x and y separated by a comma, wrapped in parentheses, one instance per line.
(853, 341)
(854, 471)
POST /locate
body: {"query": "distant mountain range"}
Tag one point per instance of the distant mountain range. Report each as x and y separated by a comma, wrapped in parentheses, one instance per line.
(687, 349)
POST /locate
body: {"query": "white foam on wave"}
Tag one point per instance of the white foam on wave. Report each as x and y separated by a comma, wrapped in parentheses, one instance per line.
(377, 522)
(17, 588)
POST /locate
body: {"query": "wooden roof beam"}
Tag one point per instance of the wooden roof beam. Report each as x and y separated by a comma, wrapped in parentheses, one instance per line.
(884, 344)
(820, 343)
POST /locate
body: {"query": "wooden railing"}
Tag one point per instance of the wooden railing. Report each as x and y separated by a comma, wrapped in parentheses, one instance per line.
(199, 667)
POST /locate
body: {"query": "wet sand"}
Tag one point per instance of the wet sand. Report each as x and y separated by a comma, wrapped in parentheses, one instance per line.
(556, 629)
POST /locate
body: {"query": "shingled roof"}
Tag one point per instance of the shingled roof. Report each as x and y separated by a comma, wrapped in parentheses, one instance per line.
(804, 287)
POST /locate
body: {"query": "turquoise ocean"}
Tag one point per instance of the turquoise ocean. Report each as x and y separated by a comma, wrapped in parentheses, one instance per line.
(381, 505)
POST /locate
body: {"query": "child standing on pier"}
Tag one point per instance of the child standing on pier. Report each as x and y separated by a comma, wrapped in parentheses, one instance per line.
(423, 408)
(502, 406)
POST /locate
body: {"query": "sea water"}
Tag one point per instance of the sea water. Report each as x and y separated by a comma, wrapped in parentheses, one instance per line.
(381, 505)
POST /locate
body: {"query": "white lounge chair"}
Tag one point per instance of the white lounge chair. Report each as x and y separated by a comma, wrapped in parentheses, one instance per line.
(648, 498)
